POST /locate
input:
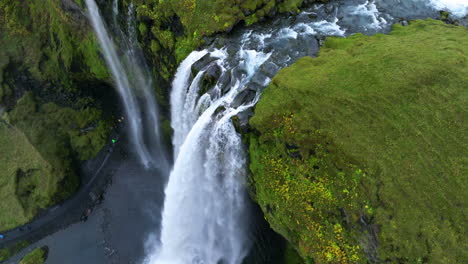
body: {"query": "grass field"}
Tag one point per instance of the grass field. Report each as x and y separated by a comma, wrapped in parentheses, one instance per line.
(369, 139)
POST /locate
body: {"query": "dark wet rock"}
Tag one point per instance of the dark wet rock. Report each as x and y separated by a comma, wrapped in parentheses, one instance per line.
(243, 97)
(329, 9)
(201, 64)
(311, 46)
(75, 11)
(212, 73)
(257, 88)
(404, 23)
(269, 69)
(220, 109)
(224, 83)
(258, 79)
(208, 40)
(273, 12)
(210, 77)
(293, 151)
(243, 120)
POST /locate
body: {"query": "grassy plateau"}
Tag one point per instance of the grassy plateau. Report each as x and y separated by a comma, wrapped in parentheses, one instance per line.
(360, 154)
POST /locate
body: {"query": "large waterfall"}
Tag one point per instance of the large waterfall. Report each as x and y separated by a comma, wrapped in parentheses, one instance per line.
(135, 87)
(206, 209)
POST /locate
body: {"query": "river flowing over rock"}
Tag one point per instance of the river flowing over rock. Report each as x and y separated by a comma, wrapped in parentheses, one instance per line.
(206, 214)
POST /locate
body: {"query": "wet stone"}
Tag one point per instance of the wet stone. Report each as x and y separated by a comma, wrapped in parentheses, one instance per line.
(269, 69)
(311, 45)
(202, 63)
(259, 79)
(243, 97)
(212, 73)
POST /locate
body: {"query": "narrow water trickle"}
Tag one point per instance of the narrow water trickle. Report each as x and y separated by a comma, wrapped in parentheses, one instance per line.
(135, 87)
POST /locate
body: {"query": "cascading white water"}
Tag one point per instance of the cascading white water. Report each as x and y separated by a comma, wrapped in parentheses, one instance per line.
(134, 84)
(115, 7)
(206, 214)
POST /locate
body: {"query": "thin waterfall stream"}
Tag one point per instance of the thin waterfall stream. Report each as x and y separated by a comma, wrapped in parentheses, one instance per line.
(135, 87)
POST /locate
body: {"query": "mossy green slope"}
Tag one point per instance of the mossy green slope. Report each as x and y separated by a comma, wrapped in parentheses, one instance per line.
(40, 144)
(361, 153)
(19, 157)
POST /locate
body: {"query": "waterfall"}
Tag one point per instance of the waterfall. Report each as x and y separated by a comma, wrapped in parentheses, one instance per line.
(115, 7)
(206, 216)
(135, 87)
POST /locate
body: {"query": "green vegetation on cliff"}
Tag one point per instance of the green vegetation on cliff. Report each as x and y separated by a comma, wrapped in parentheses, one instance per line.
(37, 256)
(50, 59)
(53, 44)
(6, 253)
(360, 154)
(40, 144)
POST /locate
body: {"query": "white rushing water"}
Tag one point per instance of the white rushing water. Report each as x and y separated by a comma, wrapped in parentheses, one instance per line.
(135, 87)
(205, 215)
(458, 8)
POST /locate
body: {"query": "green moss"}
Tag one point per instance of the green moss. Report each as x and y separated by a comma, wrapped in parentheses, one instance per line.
(6, 253)
(37, 256)
(22, 170)
(42, 143)
(291, 256)
(370, 131)
(49, 41)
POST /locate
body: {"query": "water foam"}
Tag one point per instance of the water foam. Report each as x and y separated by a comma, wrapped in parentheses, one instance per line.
(458, 8)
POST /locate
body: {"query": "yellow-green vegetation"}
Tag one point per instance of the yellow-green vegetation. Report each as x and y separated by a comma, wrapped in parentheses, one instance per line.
(37, 256)
(360, 154)
(6, 253)
(40, 144)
